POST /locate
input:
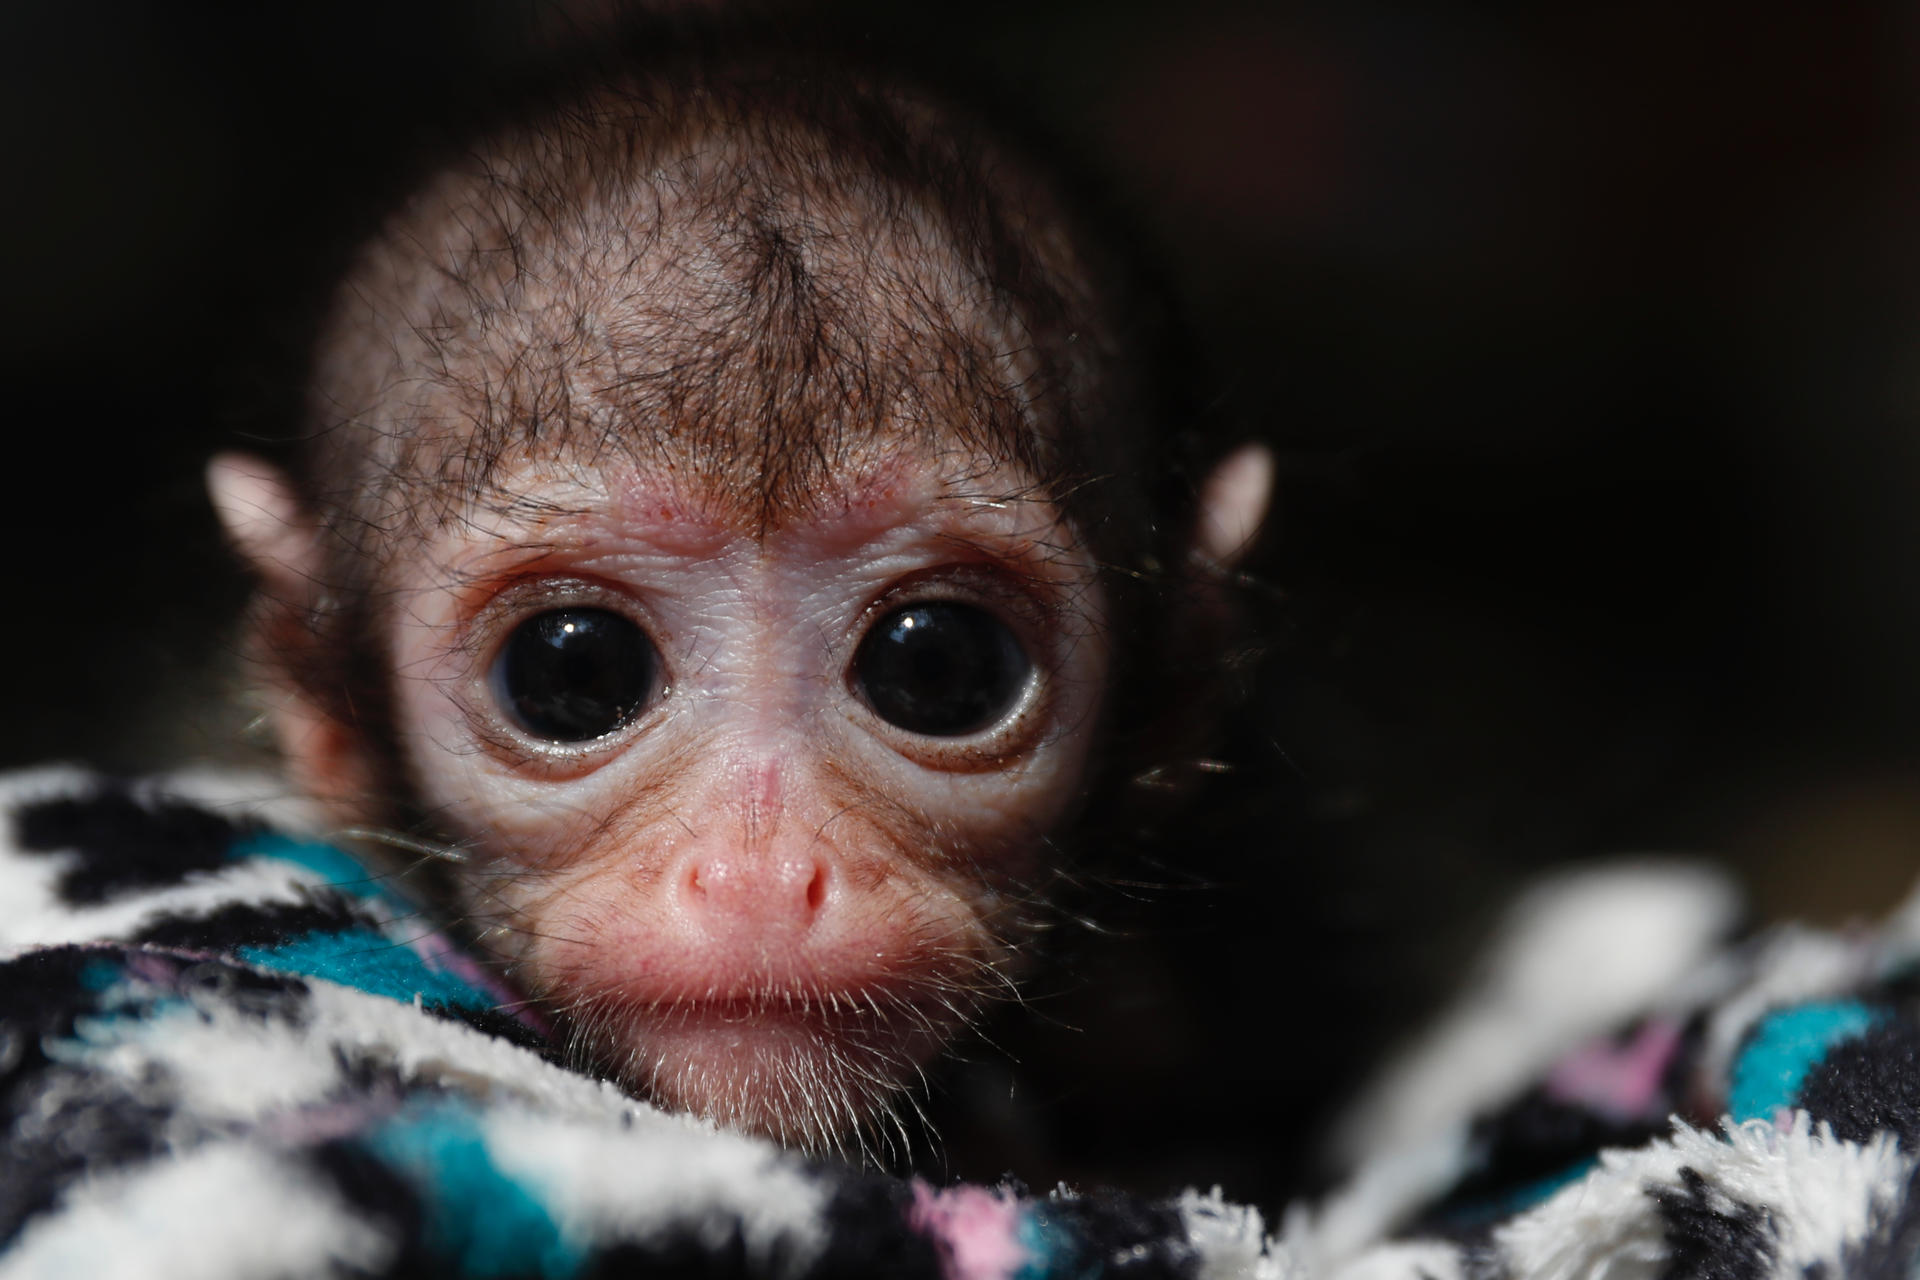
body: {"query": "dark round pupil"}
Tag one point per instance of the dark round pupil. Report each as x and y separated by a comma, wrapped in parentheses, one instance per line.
(940, 668)
(574, 674)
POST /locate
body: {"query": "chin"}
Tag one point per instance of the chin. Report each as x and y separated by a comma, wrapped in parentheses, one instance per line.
(823, 1076)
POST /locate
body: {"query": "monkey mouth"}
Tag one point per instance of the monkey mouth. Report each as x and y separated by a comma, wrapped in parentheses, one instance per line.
(813, 1071)
(816, 1049)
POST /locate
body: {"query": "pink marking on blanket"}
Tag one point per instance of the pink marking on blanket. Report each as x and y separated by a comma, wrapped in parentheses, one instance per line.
(158, 968)
(310, 1126)
(979, 1230)
(1620, 1081)
(439, 953)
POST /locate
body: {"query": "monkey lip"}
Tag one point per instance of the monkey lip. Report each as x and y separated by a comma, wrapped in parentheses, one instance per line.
(882, 1017)
(803, 1071)
(808, 1045)
(749, 1014)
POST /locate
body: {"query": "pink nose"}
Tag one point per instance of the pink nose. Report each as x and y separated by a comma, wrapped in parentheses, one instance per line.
(767, 891)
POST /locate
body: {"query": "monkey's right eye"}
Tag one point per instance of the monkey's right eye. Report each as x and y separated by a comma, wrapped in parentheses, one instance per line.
(572, 675)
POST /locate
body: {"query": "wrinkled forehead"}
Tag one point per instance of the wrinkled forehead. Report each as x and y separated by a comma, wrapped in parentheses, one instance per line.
(564, 498)
(759, 320)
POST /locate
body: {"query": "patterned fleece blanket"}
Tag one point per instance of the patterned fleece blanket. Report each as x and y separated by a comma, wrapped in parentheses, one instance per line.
(228, 1049)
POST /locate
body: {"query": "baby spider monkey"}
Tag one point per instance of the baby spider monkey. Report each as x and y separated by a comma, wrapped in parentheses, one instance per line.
(743, 509)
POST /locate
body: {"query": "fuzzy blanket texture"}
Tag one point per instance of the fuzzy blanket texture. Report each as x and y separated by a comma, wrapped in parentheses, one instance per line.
(228, 1049)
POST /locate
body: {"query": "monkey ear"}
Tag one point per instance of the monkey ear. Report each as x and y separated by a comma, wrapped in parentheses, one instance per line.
(266, 523)
(1233, 505)
(270, 528)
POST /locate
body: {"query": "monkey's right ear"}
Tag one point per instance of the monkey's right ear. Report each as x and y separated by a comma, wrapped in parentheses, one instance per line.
(266, 523)
(272, 530)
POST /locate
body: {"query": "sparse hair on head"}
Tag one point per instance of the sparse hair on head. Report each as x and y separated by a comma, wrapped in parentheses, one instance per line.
(745, 255)
(747, 258)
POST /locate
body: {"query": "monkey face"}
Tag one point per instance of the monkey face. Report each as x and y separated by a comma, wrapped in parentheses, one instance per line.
(760, 809)
(702, 524)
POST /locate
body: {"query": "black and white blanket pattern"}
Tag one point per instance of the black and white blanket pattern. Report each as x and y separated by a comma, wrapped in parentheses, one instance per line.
(229, 1050)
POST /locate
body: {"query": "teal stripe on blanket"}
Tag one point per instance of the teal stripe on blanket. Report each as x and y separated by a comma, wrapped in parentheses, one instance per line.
(1046, 1245)
(370, 961)
(1784, 1047)
(335, 867)
(478, 1220)
(363, 958)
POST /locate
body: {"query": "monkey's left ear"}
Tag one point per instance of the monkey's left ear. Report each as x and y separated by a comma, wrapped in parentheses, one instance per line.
(1233, 505)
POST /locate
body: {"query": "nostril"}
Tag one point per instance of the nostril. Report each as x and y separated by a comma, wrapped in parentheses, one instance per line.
(785, 892)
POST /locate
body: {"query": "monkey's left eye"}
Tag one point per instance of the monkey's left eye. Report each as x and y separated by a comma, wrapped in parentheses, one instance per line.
(572, 675)
(942, 668)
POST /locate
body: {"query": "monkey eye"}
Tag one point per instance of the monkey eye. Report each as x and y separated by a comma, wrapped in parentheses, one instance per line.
(940, 668)
(571, 675)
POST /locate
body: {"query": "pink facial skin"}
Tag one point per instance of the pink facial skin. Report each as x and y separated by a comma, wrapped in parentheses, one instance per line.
(757, 900)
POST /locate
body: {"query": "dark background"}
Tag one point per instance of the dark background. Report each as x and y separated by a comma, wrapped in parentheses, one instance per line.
(1589, 335)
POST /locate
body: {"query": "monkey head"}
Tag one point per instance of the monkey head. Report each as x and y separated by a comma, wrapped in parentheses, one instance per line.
(722, 522)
